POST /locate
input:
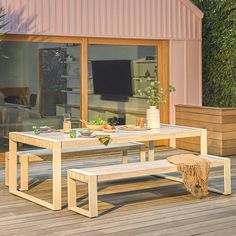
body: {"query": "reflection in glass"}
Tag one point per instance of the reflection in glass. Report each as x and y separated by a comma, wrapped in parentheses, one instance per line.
(39, 83)
(116, 73)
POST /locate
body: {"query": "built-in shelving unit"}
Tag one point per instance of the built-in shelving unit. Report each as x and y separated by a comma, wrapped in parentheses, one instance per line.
(145, 78)
(70, 91)
(71, 62)
(143, 60)
(72, 77)
(144, 72)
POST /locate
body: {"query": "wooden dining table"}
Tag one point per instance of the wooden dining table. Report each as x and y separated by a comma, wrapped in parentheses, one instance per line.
(58, 141)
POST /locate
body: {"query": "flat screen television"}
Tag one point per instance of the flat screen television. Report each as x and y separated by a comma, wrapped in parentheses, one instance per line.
(112, 79)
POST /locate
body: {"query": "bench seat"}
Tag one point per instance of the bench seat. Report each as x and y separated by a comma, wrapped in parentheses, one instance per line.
(25, 157)
(93, 175)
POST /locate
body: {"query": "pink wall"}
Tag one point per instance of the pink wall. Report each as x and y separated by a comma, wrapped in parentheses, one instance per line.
(150, 19)
(176, 20)
(185, 73)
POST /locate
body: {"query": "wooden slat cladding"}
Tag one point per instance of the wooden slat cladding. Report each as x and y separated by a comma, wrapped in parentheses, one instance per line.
(149, 19)
(194, 123)
(228, 119)
(198, 110)
(195, 148)
(198, 117)
(219, 122)
(211, 149)
(211, 142)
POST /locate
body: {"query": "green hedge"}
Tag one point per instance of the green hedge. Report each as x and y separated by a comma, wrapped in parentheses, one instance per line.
(219, 52)
(1, 21)
(2, 15)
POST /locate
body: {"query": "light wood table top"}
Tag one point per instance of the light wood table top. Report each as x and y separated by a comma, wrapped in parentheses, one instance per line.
(120, 136)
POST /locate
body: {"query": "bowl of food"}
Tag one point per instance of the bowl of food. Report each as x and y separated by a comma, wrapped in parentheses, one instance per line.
(96, 124)
(44, 128)
(109, 128)
(85, 132)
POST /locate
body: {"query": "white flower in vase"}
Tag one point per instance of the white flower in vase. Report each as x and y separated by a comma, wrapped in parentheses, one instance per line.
(155, 96)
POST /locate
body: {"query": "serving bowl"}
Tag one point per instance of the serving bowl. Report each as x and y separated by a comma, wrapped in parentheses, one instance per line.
(44, 128)
(85, 132)
(95, 127)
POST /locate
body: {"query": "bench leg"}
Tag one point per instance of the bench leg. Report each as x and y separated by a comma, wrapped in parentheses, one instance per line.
(203, 142)
(92, 197)
(24, 172)
(7, 168)
(142, 153)
(227, 177)
(151, 154)
(71, 193)
(125, 157)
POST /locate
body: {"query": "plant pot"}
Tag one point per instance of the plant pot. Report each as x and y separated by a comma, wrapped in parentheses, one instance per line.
(153, 117)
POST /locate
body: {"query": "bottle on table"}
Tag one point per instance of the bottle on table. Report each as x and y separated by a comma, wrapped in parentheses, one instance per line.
(67, 123)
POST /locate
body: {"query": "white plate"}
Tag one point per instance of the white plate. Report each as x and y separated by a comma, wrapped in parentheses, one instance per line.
(109, 130)
(134, 128)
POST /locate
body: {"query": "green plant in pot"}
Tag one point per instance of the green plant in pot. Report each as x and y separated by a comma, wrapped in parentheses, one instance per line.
(155, 95)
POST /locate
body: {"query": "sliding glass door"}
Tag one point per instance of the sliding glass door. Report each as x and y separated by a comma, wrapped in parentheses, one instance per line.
(87, 77)
(116, 75)
(40, 82)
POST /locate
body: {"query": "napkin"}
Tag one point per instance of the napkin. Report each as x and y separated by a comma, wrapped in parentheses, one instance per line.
(104, 139)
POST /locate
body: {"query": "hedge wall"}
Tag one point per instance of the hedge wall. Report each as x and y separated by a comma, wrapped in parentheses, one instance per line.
(219, 52)
(1, 26)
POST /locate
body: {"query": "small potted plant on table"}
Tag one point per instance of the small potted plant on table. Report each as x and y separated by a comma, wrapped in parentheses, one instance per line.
(155, 95)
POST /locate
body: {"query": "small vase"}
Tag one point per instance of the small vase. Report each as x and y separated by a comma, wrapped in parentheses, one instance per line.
(153, 117)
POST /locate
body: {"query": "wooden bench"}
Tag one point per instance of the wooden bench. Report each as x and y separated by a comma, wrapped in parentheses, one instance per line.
(25, 157)
(92, 176)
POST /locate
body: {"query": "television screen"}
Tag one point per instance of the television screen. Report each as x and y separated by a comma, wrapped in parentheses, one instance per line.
(112, 79)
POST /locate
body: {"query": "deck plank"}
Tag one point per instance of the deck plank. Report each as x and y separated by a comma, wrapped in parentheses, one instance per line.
(142, 206)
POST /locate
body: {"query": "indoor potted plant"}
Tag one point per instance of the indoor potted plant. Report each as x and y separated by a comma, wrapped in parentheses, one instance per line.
(155, 95)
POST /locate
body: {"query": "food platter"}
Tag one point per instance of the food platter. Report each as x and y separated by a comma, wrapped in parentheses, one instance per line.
(133, 128)
(109, 130)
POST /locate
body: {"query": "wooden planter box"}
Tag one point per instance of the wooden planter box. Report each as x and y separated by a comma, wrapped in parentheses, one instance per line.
(219, 122)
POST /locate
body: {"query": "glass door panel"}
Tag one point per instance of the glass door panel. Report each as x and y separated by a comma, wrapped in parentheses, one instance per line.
(116, 73)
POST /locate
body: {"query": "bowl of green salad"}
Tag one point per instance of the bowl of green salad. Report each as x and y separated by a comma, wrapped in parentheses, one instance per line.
(95, 124)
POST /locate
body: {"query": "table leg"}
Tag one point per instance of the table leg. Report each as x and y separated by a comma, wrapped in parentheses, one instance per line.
(56, 163)
(142, 154)
(7, 168)
(173, 143)
(125, 157)
(151, 154)
(12, 166)
(203, 142)
(227, 177)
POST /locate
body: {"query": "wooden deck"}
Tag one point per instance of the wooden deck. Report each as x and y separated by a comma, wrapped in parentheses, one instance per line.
(144, 206)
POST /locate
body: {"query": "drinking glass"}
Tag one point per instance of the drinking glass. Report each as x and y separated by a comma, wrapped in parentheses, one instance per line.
(67, 123)
(72, 133)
